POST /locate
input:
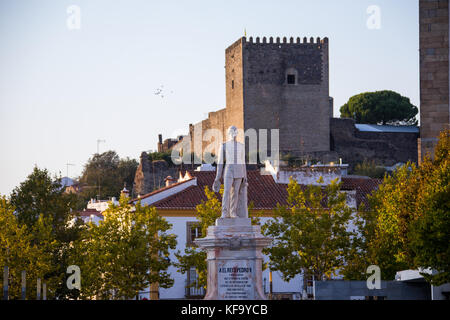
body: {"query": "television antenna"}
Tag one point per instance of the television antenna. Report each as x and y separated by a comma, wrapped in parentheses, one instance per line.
(67, 168)
(98, 144)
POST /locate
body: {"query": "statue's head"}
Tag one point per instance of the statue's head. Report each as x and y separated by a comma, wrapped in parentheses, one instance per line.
(232, 132)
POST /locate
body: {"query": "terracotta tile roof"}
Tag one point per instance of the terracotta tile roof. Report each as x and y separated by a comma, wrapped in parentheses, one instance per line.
(263, 191)
(190, 197)
(89, 212)
(363, 186)
(159, 190)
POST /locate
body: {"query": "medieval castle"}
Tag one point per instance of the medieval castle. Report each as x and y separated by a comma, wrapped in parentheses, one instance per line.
(276, 84)
(284, 84)
(273, 84)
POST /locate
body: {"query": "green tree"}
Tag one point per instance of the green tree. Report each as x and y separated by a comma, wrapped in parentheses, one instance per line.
(22, 249)
(407, 225)
(42, 194)
(166, 156)
(369, 169)
(310, 233)
(40, 200)
(383, 226)
(105, 174)
(394, 203)
(124, 253)
(429, 231)
(383, 107)
(358, 258)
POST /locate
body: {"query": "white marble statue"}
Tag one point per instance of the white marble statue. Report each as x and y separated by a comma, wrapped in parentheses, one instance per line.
(231, 163)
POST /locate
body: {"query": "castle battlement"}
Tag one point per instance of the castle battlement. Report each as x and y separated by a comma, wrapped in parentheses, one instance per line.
(278, 41)
(284, 40)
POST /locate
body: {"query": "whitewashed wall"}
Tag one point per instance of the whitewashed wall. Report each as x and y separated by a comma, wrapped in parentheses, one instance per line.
(177, 291)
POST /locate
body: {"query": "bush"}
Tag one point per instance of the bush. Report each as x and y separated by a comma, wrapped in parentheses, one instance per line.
(370, 169)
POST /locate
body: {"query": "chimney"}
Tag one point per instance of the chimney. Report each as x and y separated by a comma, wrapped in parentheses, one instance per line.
(160, 145)
(169, 180)
(125, 191)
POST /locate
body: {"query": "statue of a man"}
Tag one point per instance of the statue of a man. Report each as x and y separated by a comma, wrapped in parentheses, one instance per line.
(231, 163)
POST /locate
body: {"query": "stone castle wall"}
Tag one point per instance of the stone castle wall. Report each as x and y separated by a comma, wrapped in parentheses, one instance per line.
(434, 72)
(234, 85)
(385, 148)
(150, 175)
(216, 120)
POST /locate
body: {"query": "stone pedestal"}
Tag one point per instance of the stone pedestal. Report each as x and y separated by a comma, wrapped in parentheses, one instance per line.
(234, 259)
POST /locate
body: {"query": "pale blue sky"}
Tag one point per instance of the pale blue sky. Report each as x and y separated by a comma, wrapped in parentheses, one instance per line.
(61, 90)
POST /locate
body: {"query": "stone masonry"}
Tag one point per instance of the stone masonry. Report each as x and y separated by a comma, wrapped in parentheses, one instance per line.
(276, 84)
(384, 148)
(150, 175)
(284, 84)
(434, 72)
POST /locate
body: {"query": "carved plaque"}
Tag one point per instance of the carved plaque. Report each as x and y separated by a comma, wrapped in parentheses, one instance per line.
(236, 280)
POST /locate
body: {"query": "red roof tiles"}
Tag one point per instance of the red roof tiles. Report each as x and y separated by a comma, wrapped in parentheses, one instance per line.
(263, 191)
(159, 190)
(89, 212)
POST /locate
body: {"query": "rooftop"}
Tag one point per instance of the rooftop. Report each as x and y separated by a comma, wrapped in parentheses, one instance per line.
(263, 191)
(378, 128)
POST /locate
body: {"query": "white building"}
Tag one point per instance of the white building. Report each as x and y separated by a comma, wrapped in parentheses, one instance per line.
(95, 208)
(177, 202)
(101, 205)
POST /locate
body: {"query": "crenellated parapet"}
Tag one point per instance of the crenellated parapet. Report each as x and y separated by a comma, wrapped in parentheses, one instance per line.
(284, 40)
(279, 42)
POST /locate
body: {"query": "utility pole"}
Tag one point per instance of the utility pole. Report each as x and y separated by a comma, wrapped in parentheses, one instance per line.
(44, 291)
(24, 285)
(5, 282)
(98, 153)
(270, 285)
(98, 145)
(38, 289)
(67, 168)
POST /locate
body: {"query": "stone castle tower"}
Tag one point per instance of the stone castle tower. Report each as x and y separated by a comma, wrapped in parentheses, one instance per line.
(434, 72)
(277, 84)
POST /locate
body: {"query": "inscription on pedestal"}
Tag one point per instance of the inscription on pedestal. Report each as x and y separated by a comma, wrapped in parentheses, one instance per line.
(235, 280)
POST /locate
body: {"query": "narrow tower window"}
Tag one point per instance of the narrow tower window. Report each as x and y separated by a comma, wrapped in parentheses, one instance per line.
(291, 75)
(291, 79)
(232, 84)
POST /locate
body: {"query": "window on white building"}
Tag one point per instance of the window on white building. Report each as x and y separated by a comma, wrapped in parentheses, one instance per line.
(193, 231)
(192, 290)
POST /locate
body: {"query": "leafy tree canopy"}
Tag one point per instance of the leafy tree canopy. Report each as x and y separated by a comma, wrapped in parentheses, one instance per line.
(108, 171)
(429, 232)
(380, 107)
(42, 194)
(310, 233)
(29, 249)
(124, 253)
(408, 223)
(369, 169)
(166, 156)
(43, 209)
